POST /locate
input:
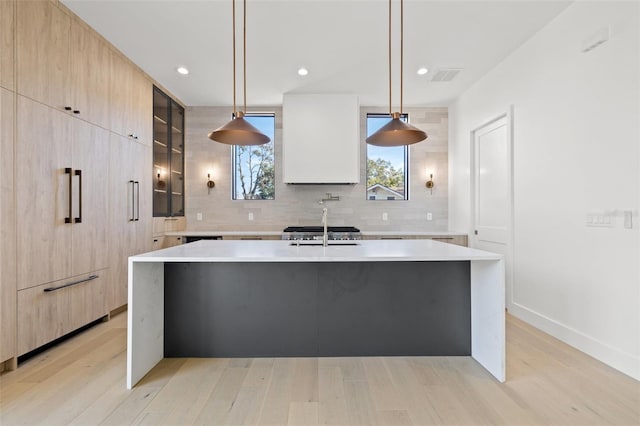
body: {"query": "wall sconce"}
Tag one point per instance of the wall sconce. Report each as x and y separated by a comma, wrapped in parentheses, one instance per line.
(210, 183)
(161, 183)
(430, 183)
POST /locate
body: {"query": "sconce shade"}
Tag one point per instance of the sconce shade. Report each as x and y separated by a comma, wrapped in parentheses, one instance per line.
(239, 131)
(396, 133)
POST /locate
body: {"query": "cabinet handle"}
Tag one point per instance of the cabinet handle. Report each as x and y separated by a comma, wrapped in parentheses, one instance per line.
(90, 278)
(68, 108)
(137, 186)
(75, 111)
(68, 171)
(79, 218)
(442, 238)
(133, 202)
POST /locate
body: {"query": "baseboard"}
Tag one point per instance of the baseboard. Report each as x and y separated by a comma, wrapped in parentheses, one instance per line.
(613, 357)
(116, 311)
(9, 365)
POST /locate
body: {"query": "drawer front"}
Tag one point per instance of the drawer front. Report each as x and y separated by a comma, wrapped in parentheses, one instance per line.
(460, 240)
(49, 311)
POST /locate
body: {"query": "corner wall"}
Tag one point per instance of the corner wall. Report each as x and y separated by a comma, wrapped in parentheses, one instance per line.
(576, 152)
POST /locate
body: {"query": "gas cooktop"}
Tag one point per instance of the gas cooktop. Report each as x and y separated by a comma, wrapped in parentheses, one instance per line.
(316, 232)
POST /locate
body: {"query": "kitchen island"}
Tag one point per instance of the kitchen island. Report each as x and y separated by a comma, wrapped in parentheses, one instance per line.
(278, 298)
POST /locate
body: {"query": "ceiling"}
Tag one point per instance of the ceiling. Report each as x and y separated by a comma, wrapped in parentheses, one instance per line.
(342, 43)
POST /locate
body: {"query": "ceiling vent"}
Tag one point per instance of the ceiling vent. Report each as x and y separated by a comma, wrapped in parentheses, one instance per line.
(446, 74)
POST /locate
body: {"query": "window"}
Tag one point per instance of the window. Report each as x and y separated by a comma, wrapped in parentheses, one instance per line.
(387, 167)
(253, 166)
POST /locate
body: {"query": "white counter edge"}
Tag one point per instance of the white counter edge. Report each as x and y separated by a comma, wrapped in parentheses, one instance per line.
(279, 233)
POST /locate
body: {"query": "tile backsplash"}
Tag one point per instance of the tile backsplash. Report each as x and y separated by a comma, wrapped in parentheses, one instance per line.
(299, 204)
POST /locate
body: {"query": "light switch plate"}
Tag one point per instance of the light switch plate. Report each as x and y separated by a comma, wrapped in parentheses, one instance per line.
(198, 216)
(429, 216)
(250, 216)
(385, 216)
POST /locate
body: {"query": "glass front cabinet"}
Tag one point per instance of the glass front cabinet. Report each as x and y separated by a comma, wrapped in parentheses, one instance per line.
(168, 156)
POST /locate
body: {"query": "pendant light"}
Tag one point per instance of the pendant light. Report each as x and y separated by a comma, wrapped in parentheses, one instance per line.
(396, 132)
(239, 131)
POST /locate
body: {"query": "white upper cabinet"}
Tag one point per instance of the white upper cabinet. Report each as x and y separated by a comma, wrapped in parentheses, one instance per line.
(321, 138)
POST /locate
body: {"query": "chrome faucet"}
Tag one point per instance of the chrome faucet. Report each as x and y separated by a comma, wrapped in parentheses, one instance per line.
(325, 237)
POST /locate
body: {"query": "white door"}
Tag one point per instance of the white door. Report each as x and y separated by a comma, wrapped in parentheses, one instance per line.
(492, 172)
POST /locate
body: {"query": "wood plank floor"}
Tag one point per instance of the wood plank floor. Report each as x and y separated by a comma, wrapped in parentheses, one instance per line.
(82, 382)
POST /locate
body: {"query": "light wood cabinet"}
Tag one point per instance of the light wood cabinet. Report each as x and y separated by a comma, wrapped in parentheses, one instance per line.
(83, 131)
(460, 240)
(90, 58)
(51, 310)
(62, 199)
(171, 241)
(42, 154)
(131, 97)
(42, 52)
(61, 62)
(7, 229)
(7, 59)
(130, 207)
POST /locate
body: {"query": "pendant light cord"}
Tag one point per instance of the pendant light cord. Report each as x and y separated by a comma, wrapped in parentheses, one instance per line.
(401, 50)
(390, 57)
(233, 28)
(244, 52)
(401, 55)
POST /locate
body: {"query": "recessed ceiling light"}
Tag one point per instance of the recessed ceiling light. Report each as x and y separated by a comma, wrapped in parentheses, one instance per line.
(303, 71)
(422, 71)
(182, 70)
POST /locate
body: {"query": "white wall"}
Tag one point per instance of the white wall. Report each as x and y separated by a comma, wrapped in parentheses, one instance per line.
(576, 150)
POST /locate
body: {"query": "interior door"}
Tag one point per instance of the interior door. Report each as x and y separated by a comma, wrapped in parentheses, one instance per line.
(491, 183)
(493, 190)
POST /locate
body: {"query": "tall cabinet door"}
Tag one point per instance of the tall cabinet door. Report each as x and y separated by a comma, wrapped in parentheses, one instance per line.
(143, 159)
(7, 59)
(7, 229)
(122, 211)
(90, 58)
(90, 196)
(130, 211)
(42, 47)
(43, 153)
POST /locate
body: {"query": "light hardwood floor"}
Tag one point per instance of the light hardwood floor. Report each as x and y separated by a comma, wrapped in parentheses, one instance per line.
(82, 382)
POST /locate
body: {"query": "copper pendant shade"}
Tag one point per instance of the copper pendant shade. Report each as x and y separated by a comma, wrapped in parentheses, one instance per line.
(396, 132)
(239, 131)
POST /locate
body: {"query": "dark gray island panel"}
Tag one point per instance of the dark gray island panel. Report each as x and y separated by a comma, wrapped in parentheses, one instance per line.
(317, 309)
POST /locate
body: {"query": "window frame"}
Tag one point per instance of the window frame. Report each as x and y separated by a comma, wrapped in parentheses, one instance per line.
(234, 156)
(405, 117)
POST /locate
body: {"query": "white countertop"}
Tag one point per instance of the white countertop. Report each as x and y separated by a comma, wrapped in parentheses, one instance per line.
(279, 233)
(284, 251)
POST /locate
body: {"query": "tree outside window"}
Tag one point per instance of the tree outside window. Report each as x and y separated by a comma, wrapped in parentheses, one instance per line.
(254, 170)
(386, 166)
